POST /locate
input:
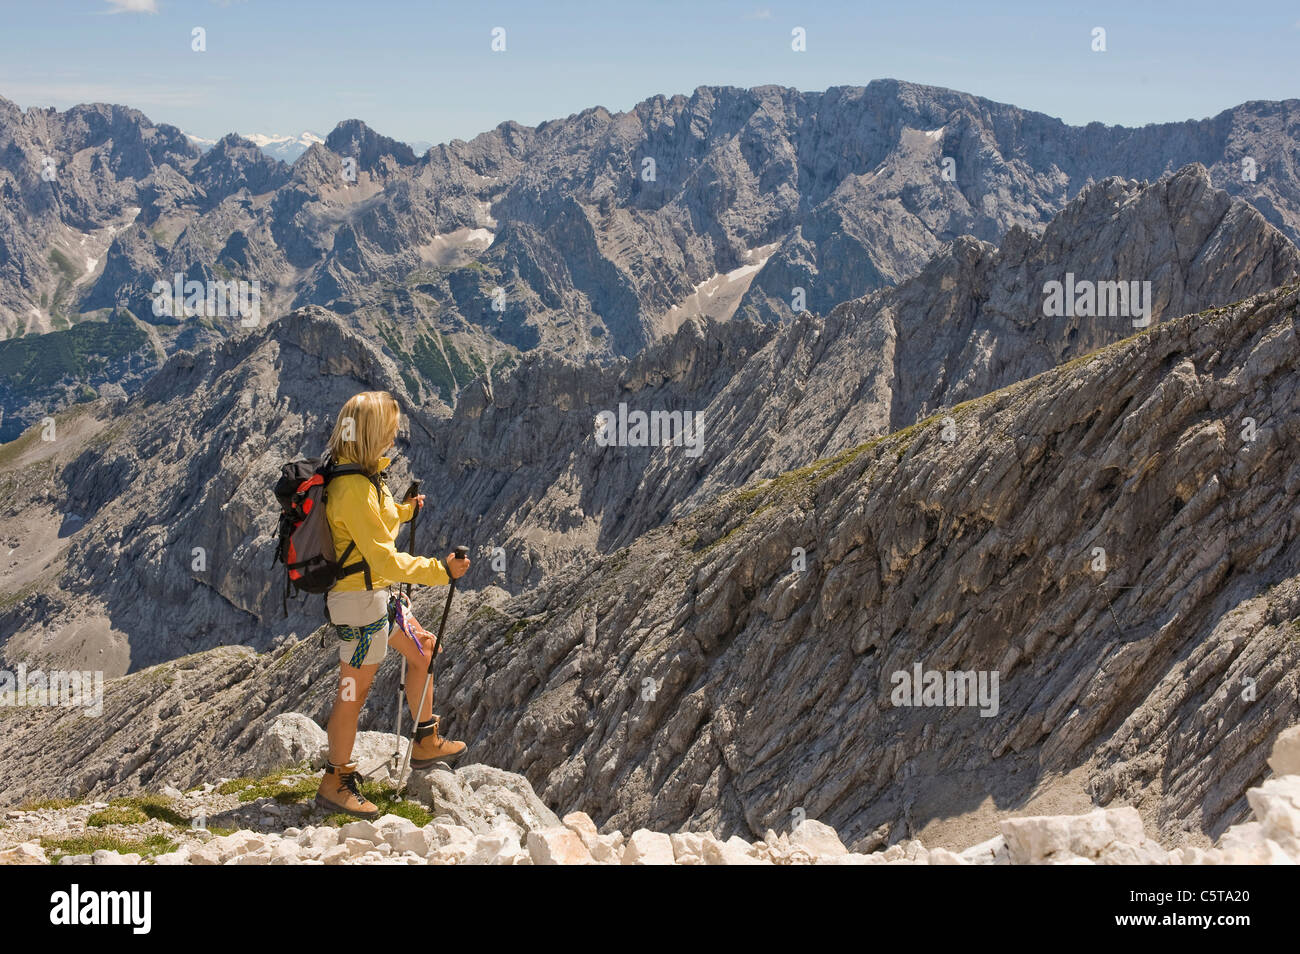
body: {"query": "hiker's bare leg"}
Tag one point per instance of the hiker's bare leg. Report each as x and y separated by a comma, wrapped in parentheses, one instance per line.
(354, 684)
(417, 671)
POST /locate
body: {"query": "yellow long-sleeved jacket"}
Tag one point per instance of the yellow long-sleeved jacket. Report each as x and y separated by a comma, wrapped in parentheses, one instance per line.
(357, 514)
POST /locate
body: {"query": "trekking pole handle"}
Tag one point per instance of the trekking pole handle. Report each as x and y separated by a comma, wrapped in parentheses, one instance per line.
(412, 492)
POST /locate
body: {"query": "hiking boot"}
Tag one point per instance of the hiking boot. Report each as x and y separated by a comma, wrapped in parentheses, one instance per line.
(340, 791)
(430, 748)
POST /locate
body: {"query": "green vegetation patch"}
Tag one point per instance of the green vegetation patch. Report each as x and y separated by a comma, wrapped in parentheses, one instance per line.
(63, 265)
(38, 804)
(517, 627)
(158, 807)
(460, 368)
(80, 351)
(56, 848)
(514, 626)
(487, 613)
(433, 365)
(766, 493)
(273, 786)
(119, 815)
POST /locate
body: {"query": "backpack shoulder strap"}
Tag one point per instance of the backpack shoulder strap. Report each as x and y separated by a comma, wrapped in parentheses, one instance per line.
(361, 566)
(338, 470)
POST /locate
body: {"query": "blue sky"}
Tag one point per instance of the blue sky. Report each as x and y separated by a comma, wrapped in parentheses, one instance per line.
(426, 70)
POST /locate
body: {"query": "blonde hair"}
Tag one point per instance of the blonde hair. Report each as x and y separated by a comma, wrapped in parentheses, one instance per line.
(365, 429)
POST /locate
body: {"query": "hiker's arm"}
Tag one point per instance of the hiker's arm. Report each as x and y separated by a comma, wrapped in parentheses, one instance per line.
(406, 509)
(367, 529)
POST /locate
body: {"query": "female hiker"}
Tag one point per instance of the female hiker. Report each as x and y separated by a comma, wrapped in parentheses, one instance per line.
(361, 511)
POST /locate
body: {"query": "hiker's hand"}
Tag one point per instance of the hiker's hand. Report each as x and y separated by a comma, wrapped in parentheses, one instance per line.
(456, 568)
(418, 500)
(428, 641)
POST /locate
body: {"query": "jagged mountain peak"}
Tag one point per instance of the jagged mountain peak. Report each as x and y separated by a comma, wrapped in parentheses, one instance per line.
(235, 163)
(352, 137)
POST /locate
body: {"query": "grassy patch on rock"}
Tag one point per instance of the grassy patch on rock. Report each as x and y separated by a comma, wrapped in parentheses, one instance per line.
(119, 815)
(56, 848)
(280, 785)
(158, 807)
(37, 804)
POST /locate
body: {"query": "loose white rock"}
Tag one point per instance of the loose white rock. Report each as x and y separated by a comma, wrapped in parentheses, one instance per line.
(647, 847)
(1034, 839)
(363, 830)
(557, 846)
(1285, 758)
(817, 838)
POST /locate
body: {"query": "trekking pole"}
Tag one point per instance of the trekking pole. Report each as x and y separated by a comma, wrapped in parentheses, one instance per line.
(412, 492)
(461, 553)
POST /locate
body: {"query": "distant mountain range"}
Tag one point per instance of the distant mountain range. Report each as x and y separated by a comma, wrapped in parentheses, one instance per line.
(284, 148)
(289, 148)
(594, 235)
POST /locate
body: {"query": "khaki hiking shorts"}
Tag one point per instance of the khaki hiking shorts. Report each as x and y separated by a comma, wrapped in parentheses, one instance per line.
(360, 610)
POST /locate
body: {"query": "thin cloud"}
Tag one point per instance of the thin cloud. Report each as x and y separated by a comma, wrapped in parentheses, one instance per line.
(63, 93)
(763, 14)
(132, 6)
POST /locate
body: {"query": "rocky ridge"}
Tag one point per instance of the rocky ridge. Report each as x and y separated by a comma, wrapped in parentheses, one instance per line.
(514, 468)
(1113, 537)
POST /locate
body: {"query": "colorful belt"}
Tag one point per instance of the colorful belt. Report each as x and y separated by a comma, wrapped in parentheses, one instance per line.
(363, 635)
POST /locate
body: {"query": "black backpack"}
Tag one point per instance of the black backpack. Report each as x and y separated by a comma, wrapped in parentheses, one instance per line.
(305, 544)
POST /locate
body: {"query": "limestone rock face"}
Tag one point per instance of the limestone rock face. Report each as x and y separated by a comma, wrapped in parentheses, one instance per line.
(817, 839)
(971, 554)
(28, 853)
(481, 797)
(1275, 833)
(974, 554)
(648, 848)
